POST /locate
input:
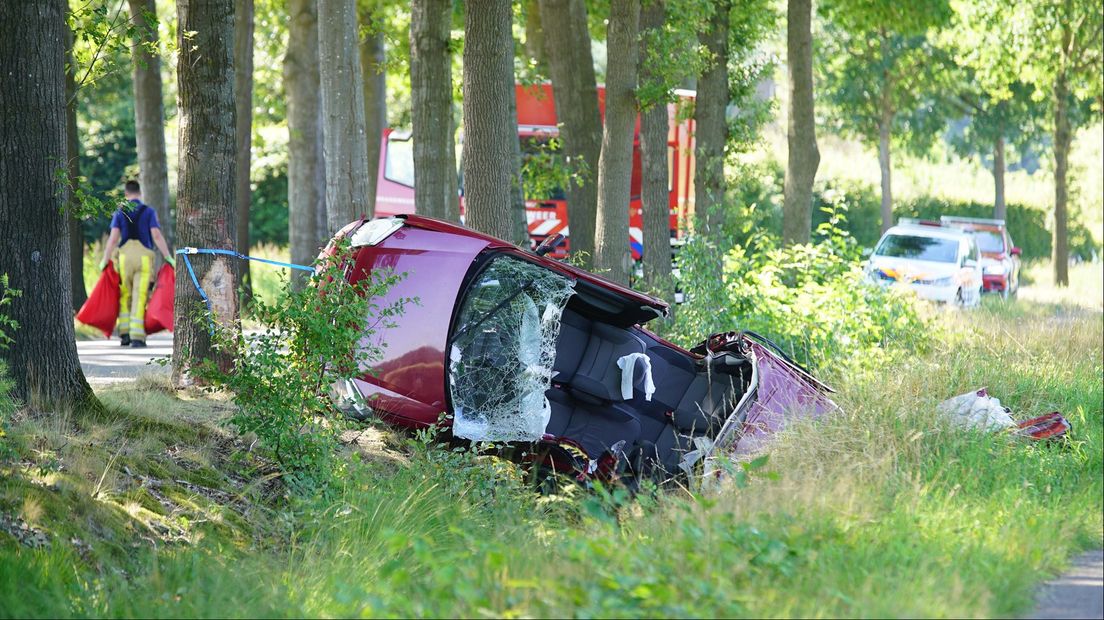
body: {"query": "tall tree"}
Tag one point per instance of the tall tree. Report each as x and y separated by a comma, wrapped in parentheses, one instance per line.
(710, 124)
(534, 36)
(206, 215)
(431, 109)
(490, 168)
(306, 164)
(72, 159)
(668, 53)
(1056, 45)
(611, 248)
(34, 249)
(373, 67)
(344, 136)
(804, 157)
(518, 218)
(149, 114)
(243, 110)
(882, 73)
(575, 94)
(997, 126)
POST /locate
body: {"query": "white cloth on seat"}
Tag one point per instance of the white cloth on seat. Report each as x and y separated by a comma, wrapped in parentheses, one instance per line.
(627, 364)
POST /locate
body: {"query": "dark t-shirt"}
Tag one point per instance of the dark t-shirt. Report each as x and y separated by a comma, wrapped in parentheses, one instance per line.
(136, 223)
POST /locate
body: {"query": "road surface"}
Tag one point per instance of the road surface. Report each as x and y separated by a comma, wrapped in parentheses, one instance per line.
(1079, 593)
(105, 362)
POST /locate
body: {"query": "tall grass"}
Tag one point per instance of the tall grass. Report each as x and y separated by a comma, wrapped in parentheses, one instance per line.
(878, 511)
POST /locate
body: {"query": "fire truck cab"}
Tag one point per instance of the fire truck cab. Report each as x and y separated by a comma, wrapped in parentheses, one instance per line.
(547, 214)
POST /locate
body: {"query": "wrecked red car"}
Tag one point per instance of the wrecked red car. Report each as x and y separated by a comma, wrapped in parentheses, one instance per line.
(507, 345)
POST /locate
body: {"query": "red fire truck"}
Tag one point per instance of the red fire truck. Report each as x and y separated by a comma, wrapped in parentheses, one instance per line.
(547, 215)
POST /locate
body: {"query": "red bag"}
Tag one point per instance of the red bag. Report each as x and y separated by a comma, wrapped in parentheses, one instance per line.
(102, 308)
(159, 310)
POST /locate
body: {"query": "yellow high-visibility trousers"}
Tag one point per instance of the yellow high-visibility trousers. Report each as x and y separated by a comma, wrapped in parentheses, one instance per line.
(135, 266)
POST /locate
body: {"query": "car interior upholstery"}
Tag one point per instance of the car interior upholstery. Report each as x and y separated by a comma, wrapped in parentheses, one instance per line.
(692, 396)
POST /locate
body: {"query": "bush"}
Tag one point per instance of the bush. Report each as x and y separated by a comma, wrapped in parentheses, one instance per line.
(811, 299)
(315, 338)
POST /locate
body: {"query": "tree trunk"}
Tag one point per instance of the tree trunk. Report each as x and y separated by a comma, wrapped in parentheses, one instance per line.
(1000, 210)
(804, 157)
(306, 167)
(611, 243)
(711, 126)
(431, 108)
(654, 174)
(206, 215)
(149, 117)
(886, 168)
(72, 158)
(346, 147)
(375, 99)
(1062, 139)
(34, 249)
(243, 106)
(534, 36)
(489, 164)
(575, 94)
(519, 222)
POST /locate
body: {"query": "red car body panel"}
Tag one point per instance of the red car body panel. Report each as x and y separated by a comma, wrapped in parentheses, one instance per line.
(409, 384)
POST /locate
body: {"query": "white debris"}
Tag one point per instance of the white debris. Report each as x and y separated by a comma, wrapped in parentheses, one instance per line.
(627, 364)
(976, 410)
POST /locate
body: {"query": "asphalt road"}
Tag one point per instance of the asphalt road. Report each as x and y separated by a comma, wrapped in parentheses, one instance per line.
(1079, 593)
(104, 361)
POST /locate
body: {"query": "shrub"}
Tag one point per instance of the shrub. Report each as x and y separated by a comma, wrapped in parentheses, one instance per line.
(811, 299)
(314, 339)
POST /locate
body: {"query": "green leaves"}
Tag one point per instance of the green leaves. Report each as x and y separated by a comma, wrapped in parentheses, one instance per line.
(281, 382)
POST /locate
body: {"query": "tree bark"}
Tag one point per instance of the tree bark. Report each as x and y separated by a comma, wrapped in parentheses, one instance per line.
(611, 244)
(346, 147)
(34, 249)
(374, 71)
(149, 116)
(711, 126)
(431, 109)
(1062, 139)
(885, 165)
(534, 36)
(72, 159)
(243, 106)
(489, 164)
(804, 156)
(519, 223)
(1000, 209)
(306, 166)
(654, 174)
(206, 208)
(575, 94)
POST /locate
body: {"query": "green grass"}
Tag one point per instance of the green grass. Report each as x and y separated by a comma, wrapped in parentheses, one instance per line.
(877, 511)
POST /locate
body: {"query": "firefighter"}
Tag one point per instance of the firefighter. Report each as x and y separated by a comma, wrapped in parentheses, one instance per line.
(134, 231)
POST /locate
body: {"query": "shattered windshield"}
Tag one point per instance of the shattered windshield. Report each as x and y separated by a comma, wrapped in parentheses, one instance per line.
(503, 347)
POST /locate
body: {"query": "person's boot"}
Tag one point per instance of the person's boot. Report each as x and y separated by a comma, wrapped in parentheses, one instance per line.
(137, 344)
(124, 340)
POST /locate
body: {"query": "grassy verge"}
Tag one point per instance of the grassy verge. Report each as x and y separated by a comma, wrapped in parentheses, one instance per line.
(878, 511)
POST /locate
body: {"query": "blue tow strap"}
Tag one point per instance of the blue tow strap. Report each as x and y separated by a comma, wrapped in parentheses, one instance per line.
(184, 252)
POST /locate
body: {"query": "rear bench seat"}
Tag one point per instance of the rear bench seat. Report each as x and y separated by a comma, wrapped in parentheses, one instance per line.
(588, 407)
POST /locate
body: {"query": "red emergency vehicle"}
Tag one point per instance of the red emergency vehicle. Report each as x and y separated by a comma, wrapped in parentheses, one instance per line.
(547, 215)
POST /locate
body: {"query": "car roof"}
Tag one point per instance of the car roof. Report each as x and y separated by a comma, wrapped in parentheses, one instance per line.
(927, 231)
